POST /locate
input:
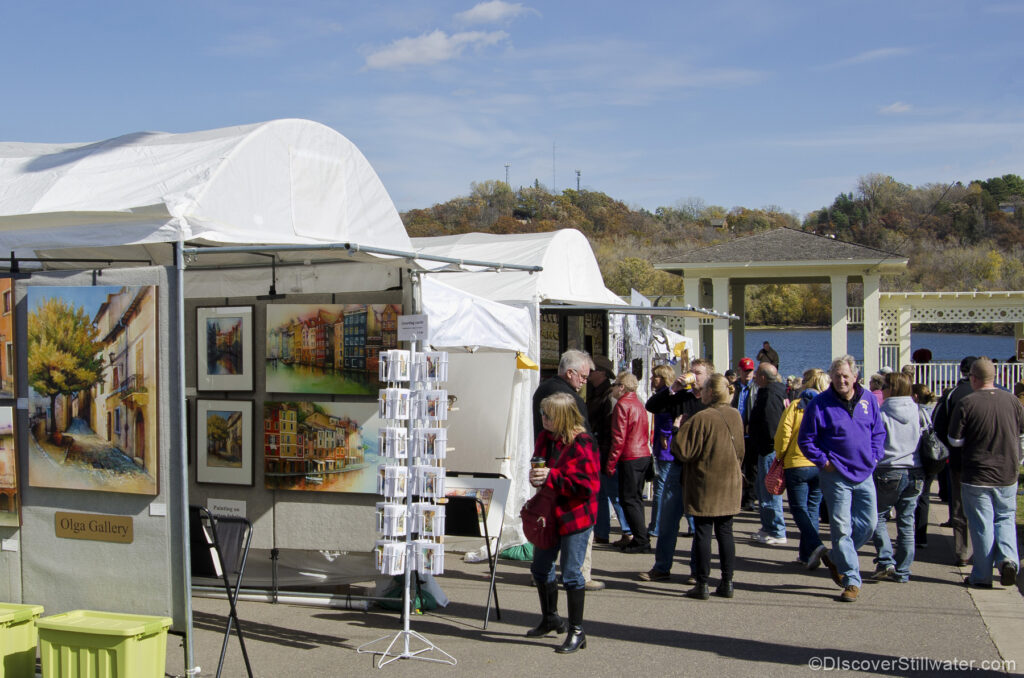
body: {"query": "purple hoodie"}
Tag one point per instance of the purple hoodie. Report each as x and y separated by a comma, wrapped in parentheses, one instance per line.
(853, 443)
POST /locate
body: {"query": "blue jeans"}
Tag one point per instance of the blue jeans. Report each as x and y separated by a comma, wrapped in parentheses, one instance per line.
(991, 522)
(899, 488)
(852, 516)
(668, 518)
(609, 494)
(804, 503)
(573, 548)
(660, 471)
(772, 521)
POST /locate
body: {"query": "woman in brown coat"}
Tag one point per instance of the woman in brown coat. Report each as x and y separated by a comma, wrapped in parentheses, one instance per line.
(710, 446)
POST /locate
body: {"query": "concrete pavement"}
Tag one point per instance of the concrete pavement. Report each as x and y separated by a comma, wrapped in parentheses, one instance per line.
(783, 621)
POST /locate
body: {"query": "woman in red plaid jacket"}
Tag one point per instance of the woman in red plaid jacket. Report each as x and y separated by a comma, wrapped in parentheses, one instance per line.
(571, 471)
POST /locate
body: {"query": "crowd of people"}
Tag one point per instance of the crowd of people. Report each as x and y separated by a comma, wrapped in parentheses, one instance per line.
(714, 444)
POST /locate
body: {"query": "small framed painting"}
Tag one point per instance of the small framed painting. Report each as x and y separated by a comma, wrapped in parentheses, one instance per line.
(224, 442)
(224, 348)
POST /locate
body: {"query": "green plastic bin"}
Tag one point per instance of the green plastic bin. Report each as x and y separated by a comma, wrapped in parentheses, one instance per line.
(103, 645)
(18, 640)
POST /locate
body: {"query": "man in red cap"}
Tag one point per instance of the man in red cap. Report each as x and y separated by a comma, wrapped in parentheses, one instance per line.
(743, 400)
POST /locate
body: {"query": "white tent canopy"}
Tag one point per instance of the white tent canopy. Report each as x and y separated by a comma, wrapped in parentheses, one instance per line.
(284, 181)
(463, 321)
(570, 274)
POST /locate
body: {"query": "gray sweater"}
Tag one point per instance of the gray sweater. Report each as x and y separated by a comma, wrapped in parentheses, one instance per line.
(902, 432)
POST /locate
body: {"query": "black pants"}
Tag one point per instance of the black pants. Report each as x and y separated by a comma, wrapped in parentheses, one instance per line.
(701, 553)
(632, 476)
(749, 468)
(921, 511)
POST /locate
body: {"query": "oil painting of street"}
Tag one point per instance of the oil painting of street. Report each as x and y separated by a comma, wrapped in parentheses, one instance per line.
(224, 343)
(321, 447)
(328, 348)
(6, 338)
(9, 514)
(92, 378)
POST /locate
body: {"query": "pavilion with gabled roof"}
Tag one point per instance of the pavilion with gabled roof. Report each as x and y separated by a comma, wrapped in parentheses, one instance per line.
(717, 277)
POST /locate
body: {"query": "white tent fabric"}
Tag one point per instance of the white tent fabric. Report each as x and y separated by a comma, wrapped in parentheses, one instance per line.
(463, 321)
(570, 274)
(283, 181)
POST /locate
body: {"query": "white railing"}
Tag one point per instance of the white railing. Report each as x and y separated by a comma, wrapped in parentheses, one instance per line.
(940, 376)
(855, 315)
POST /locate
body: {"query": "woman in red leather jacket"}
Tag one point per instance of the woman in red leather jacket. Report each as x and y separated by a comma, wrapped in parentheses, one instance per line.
(630, 457)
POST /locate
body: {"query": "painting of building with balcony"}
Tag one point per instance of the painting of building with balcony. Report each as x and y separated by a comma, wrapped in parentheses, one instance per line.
(321, 447)
(92, 375)
(9, 494)
(328, 348)
(7, 338)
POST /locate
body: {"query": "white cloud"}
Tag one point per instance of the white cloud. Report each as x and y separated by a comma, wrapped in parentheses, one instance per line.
(491, 12)
(895, 108)
(869, 56)
(430, 48)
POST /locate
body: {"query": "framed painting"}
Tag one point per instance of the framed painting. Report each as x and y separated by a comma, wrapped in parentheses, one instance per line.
(10, 499)
(224, 343)
(328, 348)
(224, 435)
(7, 383)
(93, 388)
(321, 447)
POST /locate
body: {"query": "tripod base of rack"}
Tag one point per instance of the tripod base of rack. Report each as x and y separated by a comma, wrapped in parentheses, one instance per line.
(404, 650)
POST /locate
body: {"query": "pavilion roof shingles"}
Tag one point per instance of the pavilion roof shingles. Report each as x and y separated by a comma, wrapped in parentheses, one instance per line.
(780, 244)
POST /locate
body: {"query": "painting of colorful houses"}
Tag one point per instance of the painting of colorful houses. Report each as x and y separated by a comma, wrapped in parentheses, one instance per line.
(9, 499)
(92, 375)
(6, 338)
(321, 447)
(328, 348)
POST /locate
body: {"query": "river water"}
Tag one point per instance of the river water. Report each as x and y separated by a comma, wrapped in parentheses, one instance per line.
(800, 349)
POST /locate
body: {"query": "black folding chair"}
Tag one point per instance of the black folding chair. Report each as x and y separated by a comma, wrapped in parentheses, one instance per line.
(219, 547)
(465, 517)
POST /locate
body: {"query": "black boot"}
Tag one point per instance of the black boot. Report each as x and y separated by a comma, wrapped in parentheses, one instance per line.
(699, 591)
(724, 589)
(576, 640)
(549, 621)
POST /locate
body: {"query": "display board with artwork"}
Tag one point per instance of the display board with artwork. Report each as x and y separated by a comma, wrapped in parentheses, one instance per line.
(93, 388)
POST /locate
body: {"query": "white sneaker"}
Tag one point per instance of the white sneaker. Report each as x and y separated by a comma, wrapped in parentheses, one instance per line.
(773, 541)
(759, 536)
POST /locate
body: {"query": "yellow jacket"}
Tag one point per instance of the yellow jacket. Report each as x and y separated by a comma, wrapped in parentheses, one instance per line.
(786, 448)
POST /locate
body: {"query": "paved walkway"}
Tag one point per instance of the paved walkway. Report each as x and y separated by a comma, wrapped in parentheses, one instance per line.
(784, 621)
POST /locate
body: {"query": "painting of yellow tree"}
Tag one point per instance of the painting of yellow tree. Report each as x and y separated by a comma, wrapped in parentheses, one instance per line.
(92, 388)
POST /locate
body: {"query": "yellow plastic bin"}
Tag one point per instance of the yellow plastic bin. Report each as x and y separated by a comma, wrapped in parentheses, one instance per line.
(18, 640)
(103, 645)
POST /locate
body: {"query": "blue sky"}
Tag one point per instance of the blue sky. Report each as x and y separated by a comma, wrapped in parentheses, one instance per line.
(736, 103)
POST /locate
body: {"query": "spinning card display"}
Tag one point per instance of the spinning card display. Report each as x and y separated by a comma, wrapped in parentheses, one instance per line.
(394, 366)
(430, 443)
(392, 481)
(394, 403)
(430, 366)
(428, 481)
(431, 405)
(427, 519)
(427, 557)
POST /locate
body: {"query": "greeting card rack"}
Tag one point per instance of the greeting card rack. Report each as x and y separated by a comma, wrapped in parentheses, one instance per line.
(410, 521)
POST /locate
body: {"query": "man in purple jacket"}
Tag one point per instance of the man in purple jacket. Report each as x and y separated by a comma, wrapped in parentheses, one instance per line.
(843, 434)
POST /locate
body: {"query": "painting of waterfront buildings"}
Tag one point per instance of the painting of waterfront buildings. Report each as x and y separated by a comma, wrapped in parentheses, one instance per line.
(9, 495)
(328, 348)
(7, 338)
(92, 357)
(320, 447)
(224, 346)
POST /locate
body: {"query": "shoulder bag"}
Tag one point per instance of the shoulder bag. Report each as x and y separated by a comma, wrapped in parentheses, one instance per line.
(539, 522)
(931, 450)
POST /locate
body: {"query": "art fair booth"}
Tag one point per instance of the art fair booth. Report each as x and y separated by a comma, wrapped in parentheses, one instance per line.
(173, 302)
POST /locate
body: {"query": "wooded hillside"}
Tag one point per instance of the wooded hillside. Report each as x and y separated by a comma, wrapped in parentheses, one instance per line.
(956, 237)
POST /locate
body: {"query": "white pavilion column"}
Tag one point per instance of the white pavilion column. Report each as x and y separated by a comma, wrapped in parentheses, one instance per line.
(738, 308)
(872, 325)
(839, 322)
(720, 334)
(905, 315)
(691, 297)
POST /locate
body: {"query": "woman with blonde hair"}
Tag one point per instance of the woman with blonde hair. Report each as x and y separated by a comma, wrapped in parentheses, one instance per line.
(710, 446)
(630, 457)
(802, 488)
(570, 470)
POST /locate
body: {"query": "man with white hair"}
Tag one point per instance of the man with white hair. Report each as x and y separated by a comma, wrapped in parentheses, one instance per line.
(986, 426)
(843, 435)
